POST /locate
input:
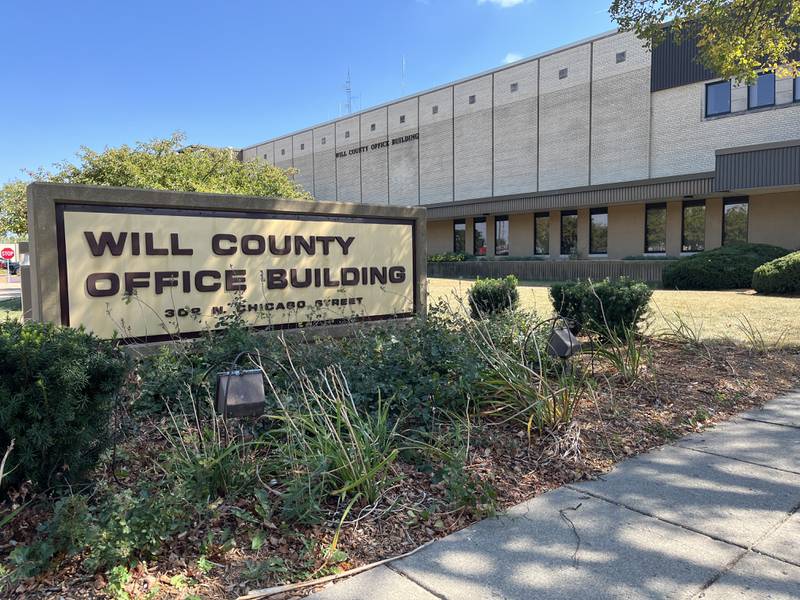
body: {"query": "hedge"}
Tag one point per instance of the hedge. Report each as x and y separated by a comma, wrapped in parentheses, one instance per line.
(726, 268)
(779, 276)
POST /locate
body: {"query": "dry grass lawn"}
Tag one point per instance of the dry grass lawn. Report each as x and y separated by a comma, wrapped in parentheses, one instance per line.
(717, 315)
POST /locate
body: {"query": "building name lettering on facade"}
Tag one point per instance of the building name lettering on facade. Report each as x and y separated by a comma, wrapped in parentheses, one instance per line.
(378, 145)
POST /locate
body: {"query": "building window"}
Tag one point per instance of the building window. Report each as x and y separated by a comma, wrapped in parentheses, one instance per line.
(655, 228)
(718, 98)
(459, 236)
(479, 236)
(265, 157)
(541, 234)
(514, 87)
(621, 57)
(346, 134)
(402, 118)
(283, 151)
(302, 146)
(762, 92)
(472, 99)
(569, 232)
(323, 140)
(734, 220)
(501, 236)
(598, 231)
(562, 73)
(693, 226)
(435, 109)
(372, 127)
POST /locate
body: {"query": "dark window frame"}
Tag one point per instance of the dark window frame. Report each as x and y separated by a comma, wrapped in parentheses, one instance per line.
(658, 206)
(513, 88)
(567, 213)
(621, 57)
(472, 99)
(592, 212)
(736, 200)
(688, 204)
(455, 223)
(502, 219)
(563, 73)
(774, 93)
(475, 221)
(730, 102)
(536, 216)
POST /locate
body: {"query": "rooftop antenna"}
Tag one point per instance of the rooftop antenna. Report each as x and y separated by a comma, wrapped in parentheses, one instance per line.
(348, 92)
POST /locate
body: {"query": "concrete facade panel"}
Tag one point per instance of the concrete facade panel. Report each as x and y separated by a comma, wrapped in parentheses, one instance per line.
(303, 160)
(625, 230)
(520, 235)
(713, 223)
(621, 127)
(375, 161)
(564, 138)
(436, 146)
(283, 153)
(325, 163)
(266, 152)
(403, 156)
(348, 165)
(440, 237)
(473, 138)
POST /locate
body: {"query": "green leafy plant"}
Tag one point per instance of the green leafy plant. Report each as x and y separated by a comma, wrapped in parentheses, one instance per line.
(327, 447)
(627, 352)
(725, 268)
(779, 276)
(610, 305)
(57, 387)
(490, 296)
(446, 257)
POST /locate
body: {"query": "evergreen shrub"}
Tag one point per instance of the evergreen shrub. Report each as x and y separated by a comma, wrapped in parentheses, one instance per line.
(729, 267)
(611, 304)
(490, 296)
(779, 276)
(57, 387)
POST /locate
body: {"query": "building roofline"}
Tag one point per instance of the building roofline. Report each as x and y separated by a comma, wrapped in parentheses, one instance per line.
(437, 88)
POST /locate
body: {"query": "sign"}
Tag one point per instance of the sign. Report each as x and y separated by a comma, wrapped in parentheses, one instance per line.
(7, 253)
(144, 271)
(377, 145)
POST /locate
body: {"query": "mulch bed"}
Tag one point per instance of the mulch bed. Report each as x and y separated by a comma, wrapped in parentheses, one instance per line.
(683, 389)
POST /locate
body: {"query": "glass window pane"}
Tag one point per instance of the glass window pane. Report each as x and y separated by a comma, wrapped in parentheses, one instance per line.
(694, 227)
(718, 98)
(569, 233)
(734, 221)
(762, 92)
(598, 231)
(501, 236)
(541, 234)
(479, 237)
(459, 237)
(655, 228)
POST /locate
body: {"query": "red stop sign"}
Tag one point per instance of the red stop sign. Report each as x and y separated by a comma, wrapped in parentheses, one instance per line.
(7, 253)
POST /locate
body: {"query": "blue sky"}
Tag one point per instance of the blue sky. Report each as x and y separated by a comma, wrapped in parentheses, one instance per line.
(100, 73)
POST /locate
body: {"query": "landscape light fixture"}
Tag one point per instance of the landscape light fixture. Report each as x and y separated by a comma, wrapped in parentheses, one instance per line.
(240, 392)
(562, 343)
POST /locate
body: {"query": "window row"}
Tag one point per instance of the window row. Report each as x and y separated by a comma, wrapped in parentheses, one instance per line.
(693, 230)
(759, 95)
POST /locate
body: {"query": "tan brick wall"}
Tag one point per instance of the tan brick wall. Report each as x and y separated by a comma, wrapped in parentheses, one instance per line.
(625, 230)
(520, 234)
(440, 237)
(775, 219)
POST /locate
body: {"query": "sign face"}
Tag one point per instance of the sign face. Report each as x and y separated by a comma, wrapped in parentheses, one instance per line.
(149, 274)
(7, 253)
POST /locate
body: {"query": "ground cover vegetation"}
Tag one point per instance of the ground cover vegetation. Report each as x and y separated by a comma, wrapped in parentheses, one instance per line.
(371, 444)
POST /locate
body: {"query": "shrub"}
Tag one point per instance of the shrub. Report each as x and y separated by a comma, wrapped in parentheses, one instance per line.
(611, 305)
(447, 257)
(779, 276)
(57, 386)
(489, 296)
(726, 268)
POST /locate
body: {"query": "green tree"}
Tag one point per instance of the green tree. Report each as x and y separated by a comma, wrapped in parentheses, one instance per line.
(13, 209)
(736, 38)
(160, 164)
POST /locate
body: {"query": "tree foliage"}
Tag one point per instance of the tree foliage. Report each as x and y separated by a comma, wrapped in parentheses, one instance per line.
(160, 164)
(736, 38)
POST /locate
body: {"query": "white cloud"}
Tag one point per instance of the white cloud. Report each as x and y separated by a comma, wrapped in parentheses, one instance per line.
(512, 57)
(502, 3)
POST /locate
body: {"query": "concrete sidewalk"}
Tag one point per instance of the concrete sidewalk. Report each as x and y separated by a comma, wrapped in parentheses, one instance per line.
(714, 516)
